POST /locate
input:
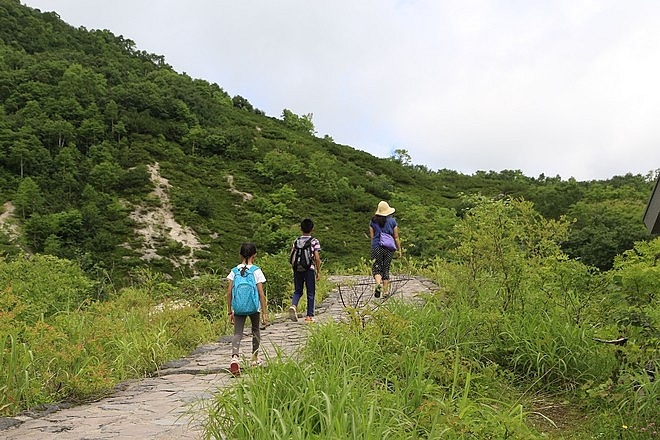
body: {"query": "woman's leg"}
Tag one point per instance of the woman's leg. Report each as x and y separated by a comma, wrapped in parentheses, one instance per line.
(377, 269)
(376, 264)
(388, 255)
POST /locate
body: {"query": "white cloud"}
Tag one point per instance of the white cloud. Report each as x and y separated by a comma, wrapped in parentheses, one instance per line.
(556, 87)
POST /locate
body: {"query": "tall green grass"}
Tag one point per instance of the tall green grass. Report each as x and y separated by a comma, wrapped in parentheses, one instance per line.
(82, 353)
(386, 380)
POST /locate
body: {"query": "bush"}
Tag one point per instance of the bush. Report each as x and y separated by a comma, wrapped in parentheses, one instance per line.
(45, 285)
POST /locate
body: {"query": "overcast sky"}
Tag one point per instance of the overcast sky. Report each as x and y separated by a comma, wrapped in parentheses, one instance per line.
(560, 87)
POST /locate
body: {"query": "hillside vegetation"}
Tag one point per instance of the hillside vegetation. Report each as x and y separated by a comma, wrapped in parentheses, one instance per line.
(127, 189)
(84, 114)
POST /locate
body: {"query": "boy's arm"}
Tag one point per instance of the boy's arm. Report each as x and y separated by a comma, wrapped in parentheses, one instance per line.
(317, 264)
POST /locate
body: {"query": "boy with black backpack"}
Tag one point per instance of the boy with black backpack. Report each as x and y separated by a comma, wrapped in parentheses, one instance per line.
(306, 265)
(245, 297)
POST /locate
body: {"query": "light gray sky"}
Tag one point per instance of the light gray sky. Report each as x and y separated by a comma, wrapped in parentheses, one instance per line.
(560, 87)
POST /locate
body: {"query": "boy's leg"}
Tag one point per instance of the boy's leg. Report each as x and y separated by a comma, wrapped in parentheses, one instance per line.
(298, 282)
(310, 285)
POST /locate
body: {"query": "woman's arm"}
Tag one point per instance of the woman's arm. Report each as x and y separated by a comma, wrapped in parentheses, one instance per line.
(397, 241)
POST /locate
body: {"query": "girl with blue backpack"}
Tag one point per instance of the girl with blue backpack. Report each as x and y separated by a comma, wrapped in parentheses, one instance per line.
(245, 298)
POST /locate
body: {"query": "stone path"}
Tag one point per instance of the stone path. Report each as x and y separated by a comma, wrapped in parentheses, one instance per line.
(171, 404)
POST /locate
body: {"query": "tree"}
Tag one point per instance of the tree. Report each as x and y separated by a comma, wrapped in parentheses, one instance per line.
(105, 176)
(27, 154)
(506, 242)
(280, 166)
(56, 132)
(298, 123)
(401, 156)
(28, 198)
(82, 84)
(603, 230)
(242, 103)
(67, 172)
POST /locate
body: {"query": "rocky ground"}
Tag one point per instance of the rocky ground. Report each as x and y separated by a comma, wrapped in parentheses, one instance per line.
(170, 405)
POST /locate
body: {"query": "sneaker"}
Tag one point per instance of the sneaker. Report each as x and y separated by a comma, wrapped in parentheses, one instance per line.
(379, 288)
(235, 367)
(293, 314)
(256, 360)
(309, 319)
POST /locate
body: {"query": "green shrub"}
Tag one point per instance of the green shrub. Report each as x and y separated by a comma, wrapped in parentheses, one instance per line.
(83, 352)
(46, 285)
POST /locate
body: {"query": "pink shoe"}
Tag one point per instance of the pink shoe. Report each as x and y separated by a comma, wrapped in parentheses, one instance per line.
(235, 367)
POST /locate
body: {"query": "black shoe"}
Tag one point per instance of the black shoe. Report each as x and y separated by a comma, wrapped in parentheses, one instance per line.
(379, 288)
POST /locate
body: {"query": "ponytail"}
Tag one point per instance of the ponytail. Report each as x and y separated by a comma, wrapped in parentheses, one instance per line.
(247, 250)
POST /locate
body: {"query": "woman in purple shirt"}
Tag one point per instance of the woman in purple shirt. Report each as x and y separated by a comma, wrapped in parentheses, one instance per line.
(383, 222)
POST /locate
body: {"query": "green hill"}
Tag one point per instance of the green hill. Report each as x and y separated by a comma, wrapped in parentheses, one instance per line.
(85, 116)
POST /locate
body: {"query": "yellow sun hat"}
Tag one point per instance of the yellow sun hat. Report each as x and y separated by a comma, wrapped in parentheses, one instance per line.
(384, 209)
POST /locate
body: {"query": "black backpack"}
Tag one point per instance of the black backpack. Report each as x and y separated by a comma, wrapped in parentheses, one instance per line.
(301, 255)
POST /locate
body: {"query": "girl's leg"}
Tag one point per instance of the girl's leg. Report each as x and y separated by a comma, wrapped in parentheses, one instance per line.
(239, 324)
(310, 286)
(256, 332)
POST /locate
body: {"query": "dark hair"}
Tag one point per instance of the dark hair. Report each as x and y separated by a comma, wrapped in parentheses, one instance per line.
(247, 250)
(307, 225)
(379, 220)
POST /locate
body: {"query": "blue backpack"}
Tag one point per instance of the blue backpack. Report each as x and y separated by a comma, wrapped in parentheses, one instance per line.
(244, 293)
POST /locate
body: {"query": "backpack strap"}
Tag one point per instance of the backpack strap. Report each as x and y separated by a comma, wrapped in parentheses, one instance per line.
(237, 270)
(378, 229)
(304, 243)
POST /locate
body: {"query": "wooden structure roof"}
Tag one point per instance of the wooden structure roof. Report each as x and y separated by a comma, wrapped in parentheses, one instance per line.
(652, 213)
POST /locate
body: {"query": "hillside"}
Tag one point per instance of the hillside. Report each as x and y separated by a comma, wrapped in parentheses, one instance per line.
(86, 117)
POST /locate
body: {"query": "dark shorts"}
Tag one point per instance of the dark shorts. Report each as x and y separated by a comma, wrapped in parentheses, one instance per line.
(382, 260)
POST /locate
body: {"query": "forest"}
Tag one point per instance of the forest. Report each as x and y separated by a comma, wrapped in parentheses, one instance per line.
(89, 123)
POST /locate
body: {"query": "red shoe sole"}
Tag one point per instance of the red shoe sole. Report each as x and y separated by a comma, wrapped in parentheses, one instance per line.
(235, 369)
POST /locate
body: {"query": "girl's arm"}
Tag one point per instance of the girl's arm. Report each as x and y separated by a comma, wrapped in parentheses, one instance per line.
(229, 312)
(262, 302)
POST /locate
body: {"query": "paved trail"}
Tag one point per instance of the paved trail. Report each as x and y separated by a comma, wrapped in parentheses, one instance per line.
(171, 405)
